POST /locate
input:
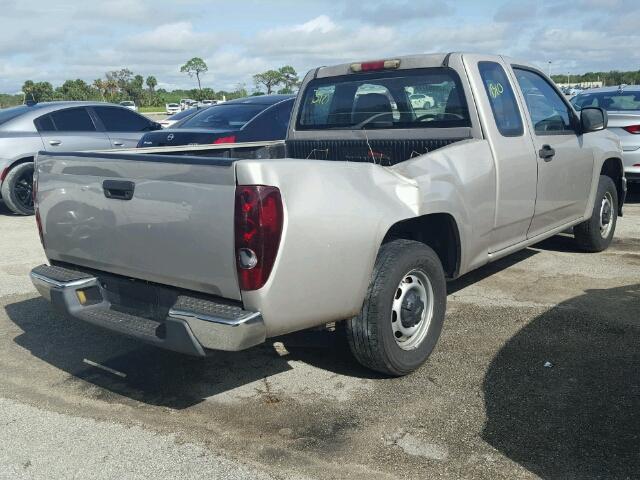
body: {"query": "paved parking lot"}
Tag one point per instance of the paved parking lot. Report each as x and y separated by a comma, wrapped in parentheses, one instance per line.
(537, 374)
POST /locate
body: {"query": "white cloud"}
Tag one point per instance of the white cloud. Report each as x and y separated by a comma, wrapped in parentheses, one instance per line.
(397, 12)
(174, 37)
(57, 40)
(321, 39)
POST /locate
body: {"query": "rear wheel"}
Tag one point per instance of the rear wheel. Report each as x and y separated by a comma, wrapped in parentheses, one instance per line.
(402, 315)
(17, 189)
(596, 234)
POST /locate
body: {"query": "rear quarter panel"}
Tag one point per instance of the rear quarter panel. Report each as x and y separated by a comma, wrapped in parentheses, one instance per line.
(338, 213)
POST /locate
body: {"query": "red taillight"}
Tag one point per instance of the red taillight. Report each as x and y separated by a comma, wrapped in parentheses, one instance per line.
(229, 139)
(375, 65)
(635, 129)
(4, 174)
(258, 227)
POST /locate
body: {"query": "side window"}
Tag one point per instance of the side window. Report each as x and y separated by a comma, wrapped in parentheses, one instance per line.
(549, 113)
(502, 99)
(271, 124)
(73, 120)
(44, 124)
(117, 119)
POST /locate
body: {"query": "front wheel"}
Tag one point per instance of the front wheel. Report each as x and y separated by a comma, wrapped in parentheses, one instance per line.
(596, 234)
(17, 189)
(403, 312)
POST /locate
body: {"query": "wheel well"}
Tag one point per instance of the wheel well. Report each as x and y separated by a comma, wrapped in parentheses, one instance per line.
(612, 168)
(3, 173)
(437, 230)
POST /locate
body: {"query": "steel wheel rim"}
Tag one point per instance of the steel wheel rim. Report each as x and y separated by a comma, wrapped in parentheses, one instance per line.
(412, 310)
(606, 215)
(23, 189)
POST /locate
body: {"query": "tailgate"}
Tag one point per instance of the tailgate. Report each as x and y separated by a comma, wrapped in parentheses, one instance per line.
(176, 228)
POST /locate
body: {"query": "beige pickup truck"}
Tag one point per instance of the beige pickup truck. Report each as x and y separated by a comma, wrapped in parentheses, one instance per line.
(361, 215)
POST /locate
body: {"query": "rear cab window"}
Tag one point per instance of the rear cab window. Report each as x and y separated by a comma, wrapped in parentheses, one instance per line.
(618, 101)
(225, 116)
(399, 99)
(502, 99)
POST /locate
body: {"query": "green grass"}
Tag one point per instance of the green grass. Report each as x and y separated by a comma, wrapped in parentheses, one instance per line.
(150, 109)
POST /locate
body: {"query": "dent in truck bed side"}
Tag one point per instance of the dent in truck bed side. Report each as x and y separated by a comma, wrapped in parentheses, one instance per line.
(338, 213)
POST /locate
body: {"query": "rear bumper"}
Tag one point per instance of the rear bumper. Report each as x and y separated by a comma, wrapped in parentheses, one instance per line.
(186, 324)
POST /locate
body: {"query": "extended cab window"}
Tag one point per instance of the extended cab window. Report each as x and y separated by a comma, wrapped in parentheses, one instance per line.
(503, 101)
(549, 113)
(421, 98)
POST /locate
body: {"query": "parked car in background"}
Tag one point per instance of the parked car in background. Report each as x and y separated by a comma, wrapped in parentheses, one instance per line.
(172, 108)
(130, 105)
(186, 103)
(623, 107)
(53, 126)
(180, 115)
(420, 100)
(247, 119)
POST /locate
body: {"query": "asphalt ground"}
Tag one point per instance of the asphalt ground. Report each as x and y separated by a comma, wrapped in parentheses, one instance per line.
(537, 374)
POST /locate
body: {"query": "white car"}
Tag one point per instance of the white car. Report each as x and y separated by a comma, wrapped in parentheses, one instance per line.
(622, 104)
(172, 108)
(186, 103)
(130, 105)
(178, 116)
(420, 100)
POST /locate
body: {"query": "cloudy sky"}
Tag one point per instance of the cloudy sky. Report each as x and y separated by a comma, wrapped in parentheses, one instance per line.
(55, 40)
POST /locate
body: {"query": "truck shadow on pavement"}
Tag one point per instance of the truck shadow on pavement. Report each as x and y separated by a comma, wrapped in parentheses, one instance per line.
(159, 377)
(578, 416)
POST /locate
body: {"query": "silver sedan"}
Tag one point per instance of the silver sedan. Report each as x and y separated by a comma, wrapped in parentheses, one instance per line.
(51, 126)
(623, 106)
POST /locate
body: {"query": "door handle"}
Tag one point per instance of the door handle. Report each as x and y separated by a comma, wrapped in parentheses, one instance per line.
(118, 144)
(55, 143)
(118, 189)
(547, 153)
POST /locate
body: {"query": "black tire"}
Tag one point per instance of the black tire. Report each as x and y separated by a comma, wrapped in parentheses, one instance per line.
(589, 235)
(17, 189)
(370, 334)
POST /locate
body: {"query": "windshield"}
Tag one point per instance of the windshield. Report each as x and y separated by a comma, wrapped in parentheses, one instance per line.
(7, 114)
(384, 100)
(127, 104)
(626, 101)
(229, 116)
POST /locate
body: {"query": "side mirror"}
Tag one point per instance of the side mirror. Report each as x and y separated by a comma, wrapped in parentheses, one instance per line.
(154, 126)
(593, 119)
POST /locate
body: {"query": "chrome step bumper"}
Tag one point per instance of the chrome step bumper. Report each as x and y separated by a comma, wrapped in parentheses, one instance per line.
(191, 325)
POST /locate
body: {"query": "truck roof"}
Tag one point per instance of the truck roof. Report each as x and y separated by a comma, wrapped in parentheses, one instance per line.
(425, 60)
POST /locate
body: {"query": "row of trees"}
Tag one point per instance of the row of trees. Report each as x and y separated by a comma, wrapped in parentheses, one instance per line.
(123, 84)
(612, 78)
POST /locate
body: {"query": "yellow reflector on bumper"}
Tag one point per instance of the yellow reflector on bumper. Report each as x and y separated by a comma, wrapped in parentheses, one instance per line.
(82, 297)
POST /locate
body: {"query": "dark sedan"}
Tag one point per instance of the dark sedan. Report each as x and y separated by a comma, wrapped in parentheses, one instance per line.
(250, 119)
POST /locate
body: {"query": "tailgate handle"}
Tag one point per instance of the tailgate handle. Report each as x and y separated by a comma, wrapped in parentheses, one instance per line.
(118, 189)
